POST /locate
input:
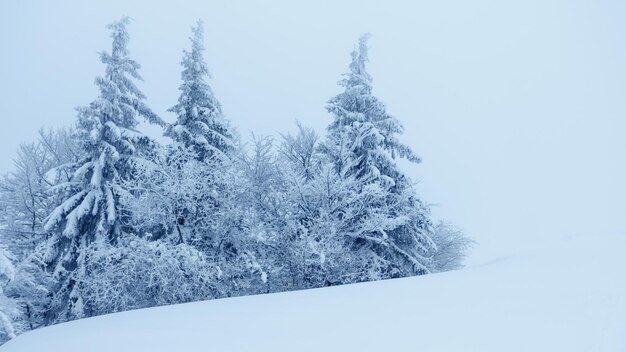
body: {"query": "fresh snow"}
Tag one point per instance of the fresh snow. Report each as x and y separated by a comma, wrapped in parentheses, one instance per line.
(570, 296)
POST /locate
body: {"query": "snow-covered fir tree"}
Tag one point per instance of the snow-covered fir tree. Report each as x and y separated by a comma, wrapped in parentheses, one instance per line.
(364, 129)
(200, 130)
(363, 137)
(200, 123)
(111, 144)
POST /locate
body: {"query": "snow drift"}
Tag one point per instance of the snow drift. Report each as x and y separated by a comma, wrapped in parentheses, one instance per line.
(567, 297)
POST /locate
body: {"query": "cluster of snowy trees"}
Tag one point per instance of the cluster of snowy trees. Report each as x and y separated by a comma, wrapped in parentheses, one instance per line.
(101, 218)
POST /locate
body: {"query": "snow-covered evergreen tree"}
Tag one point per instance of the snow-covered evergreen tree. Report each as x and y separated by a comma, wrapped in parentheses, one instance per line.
(110, 142)
(200, 122)
(364, 129)
(200, 130)
(363, 137)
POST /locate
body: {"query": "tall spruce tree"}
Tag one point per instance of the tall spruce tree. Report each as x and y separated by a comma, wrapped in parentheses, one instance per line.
(111, 144)
(200, 123)
(363, 137)
(363, 128)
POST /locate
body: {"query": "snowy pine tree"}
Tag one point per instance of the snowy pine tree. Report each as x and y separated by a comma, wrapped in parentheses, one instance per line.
(363, 137)
(111, 144)
(200, 123)
(364, 129)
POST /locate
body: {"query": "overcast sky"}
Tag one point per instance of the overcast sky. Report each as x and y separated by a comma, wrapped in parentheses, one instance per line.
(518, 108)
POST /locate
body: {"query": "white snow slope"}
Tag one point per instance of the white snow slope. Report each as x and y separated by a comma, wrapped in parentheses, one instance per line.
(567, 297)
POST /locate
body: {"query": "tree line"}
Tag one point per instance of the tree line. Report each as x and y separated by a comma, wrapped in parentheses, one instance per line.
(101, 218)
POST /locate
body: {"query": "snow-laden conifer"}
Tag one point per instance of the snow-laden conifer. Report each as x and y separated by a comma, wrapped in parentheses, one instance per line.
(111, 145)
(362, 125)
(363, 139)
(200, 123)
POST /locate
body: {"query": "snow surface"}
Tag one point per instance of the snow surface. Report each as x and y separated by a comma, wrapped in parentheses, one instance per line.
(570, 296)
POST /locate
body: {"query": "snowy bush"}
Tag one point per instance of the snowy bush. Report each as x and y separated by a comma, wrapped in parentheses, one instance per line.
(26, 193)
(137, 273)
(452, 247)
(170, 196)
(8, 308)
(29, 289)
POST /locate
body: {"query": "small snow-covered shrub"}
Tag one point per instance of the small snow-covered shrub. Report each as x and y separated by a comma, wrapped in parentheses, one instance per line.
(452, 247)
(138, 273)
(8, 309)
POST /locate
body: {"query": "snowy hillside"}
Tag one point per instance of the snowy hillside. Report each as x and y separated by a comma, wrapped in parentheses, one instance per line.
(569, 297)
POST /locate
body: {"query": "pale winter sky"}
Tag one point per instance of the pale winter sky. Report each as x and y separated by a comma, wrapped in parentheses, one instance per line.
(518, 108)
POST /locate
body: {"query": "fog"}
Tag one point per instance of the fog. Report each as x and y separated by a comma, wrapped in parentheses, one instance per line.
(517, 109)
